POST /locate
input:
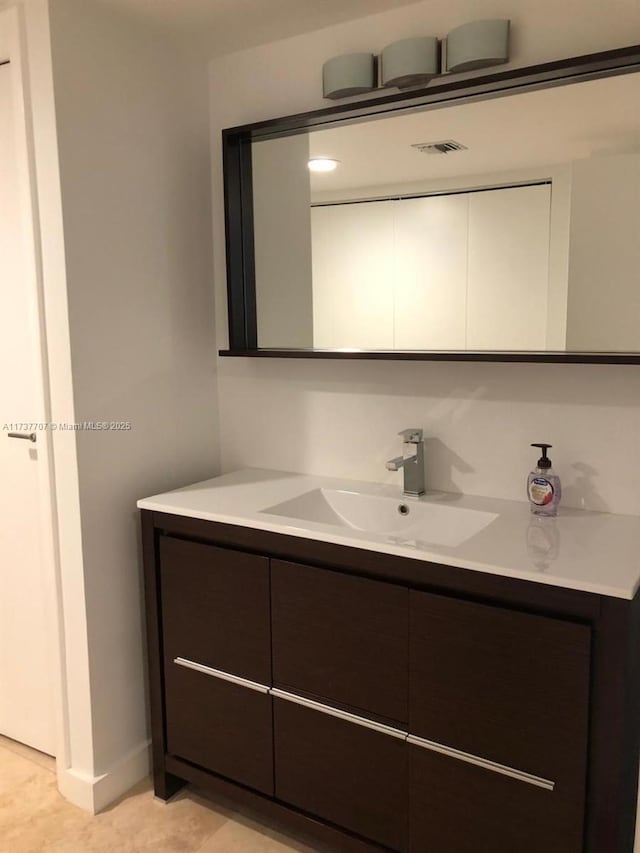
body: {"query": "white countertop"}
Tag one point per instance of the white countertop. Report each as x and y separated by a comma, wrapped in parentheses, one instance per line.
(589, 551)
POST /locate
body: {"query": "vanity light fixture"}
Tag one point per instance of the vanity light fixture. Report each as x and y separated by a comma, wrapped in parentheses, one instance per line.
(479, 44)
(415, 61)
(410, 62)
(348, 75)
(323, 164)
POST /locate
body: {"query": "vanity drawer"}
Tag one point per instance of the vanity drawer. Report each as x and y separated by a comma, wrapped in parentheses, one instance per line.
(340, 638)
(215, 608)
(458, 807)
(502, 685)
(346, 773)
(220, 725)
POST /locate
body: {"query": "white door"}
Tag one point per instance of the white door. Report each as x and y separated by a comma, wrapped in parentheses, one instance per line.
(431, 272)
(352, 248)
(508, 283)
(26, 647)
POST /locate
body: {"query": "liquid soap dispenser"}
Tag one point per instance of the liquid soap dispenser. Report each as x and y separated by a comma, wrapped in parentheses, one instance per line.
(543, 486)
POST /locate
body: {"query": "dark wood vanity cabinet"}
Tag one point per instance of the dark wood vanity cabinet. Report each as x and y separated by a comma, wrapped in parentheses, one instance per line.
(380, 703)
(215, 616)
(341, 639)
(342, 771)
(222, 726)
(215, 607)
(458, 807)
(500, 716)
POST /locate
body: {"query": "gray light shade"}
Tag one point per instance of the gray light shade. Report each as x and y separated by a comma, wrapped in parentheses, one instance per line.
(350, 74)
(478, 44)
(410, 62)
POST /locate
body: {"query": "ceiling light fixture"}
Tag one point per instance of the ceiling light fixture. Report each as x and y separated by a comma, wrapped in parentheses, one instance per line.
(323, 164)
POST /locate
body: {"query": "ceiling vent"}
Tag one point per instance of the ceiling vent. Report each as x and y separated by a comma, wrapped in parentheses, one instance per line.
(445, 147)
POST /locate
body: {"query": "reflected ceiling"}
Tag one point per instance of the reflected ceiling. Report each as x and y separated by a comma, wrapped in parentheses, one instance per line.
(520, 131)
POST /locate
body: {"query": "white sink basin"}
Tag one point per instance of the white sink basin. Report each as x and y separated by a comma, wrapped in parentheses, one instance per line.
(404, 520)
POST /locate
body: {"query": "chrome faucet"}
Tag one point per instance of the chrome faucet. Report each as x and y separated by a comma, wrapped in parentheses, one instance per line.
(412, 460)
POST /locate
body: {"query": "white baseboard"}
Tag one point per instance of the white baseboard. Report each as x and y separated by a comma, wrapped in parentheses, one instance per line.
(95, 793)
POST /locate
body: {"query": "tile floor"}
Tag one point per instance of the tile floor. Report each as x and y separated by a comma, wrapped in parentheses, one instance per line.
(34, 818)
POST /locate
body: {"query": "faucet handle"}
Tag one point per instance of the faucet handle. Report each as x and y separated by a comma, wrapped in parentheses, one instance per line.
(412, 436)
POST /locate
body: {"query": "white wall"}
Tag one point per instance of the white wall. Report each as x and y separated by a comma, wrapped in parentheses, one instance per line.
(340, 418)
(134, 164)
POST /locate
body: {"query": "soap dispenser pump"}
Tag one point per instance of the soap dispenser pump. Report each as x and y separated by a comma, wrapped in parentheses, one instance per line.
(543, 486)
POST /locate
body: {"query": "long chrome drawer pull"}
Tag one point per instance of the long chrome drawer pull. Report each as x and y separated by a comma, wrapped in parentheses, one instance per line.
(341, 715)
(482, 762)
(223, 676)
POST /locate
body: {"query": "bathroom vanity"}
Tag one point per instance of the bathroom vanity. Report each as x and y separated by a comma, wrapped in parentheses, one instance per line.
(463, 682)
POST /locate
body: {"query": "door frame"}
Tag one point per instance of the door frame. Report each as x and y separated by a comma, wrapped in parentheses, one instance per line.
(13, 50)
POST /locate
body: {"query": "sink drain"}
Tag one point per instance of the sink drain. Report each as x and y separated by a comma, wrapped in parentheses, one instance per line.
(403, 509)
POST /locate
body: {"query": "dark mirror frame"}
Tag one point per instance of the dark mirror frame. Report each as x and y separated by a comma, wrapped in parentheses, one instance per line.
(238, 193)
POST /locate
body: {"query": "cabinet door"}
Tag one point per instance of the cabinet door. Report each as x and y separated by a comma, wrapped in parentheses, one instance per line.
(490, 686)
(457, 807)
(220, 725)
(217, 671)
(215, 608)
(351, 775)
(340, 638)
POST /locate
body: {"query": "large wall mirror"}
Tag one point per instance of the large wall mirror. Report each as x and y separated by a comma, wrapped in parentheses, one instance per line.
(495, 219)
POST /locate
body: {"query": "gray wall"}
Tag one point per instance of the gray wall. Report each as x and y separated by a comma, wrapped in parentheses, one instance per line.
(282, 234)
(134, 161)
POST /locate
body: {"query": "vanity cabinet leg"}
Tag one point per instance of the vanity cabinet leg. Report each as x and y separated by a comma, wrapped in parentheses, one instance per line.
(166, 785)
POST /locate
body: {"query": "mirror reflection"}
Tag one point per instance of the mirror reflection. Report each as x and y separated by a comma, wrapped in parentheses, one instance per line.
(505, 224)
